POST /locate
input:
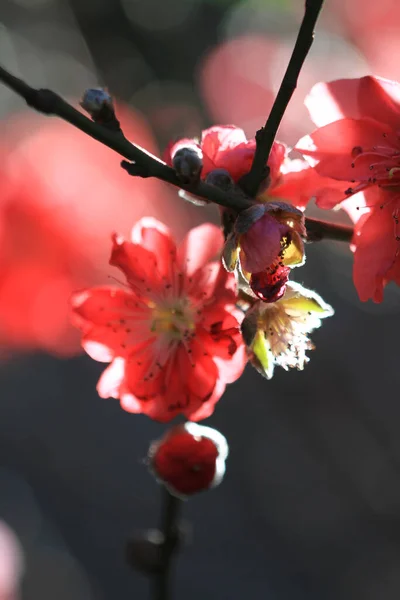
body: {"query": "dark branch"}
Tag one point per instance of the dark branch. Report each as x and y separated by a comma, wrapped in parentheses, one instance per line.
(323, 230)
(143, 163)
(265, 136)
(147, 164)
(169, 529)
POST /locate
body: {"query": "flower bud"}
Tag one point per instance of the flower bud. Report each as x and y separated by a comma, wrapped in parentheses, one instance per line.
(98, 103)
(189, 458)
(188, 162)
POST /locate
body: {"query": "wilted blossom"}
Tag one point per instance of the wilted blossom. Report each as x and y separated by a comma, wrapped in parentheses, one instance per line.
(278, 333)
(172, 333)
(189, 458)
(358, 144)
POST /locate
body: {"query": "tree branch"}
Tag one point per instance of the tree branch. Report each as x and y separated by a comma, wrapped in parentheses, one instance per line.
(265, 136)
(169, 529)
(146, 164)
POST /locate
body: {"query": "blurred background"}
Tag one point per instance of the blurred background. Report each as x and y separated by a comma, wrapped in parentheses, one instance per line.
(310, 507)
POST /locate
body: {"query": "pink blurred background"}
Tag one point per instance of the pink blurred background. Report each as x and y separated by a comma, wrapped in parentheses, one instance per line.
(311, 505)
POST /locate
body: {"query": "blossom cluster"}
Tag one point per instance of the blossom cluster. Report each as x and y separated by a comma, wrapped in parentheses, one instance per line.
(191, 315)
(187, 317)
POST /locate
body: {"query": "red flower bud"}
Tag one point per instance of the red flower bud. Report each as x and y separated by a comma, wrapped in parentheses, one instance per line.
(189, 458)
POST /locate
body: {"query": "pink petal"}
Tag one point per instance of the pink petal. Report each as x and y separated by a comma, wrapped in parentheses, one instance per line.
(372, 97)
(261, 244)
(100, 305)
(220, 138)
(157, 239)
(111, 379)
(112, 321)
(299, 183)
(227, 148)
(330, 147)
(207, 408)
(376, 248)
(201, 369)
(275, 160)
(138, 264)
(201, 245)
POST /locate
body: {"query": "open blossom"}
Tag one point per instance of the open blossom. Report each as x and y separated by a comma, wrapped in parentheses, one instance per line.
(172, 334)
(189, 458)
(358, 144)
(277, 334)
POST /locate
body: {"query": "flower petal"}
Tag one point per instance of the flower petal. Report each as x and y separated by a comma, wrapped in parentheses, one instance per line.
(330, 147)
(372, 97)
(111, 379)
(226, 147)
(261, 245)
(299, 183)
(157, 239)
(207, 408)
(104, 315)
(230, 253)
(201, 245)
(138, 264)
(376, 250)
(299, 300)
(293, 255)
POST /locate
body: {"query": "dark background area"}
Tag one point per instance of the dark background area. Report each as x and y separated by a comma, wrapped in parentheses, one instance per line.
(310, 506)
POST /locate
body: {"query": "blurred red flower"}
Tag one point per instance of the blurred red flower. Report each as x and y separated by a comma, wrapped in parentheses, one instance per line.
(358, 142)
(61, 194)
(173, 335)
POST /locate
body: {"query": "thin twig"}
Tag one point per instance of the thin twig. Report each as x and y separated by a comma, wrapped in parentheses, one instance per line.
(323, 230)
(169, 529)
(148, 165)
(144, 163)
(265, 136)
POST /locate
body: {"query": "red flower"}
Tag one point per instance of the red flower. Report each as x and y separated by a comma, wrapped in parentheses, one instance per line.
(190, 458)
(60, 195)
(173, 334)
(226, 147)
(358, 142)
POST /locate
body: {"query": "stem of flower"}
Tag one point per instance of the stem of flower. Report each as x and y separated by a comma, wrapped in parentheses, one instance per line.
(145, 164)
(169, 529)
(265, 136)
(323, 230)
